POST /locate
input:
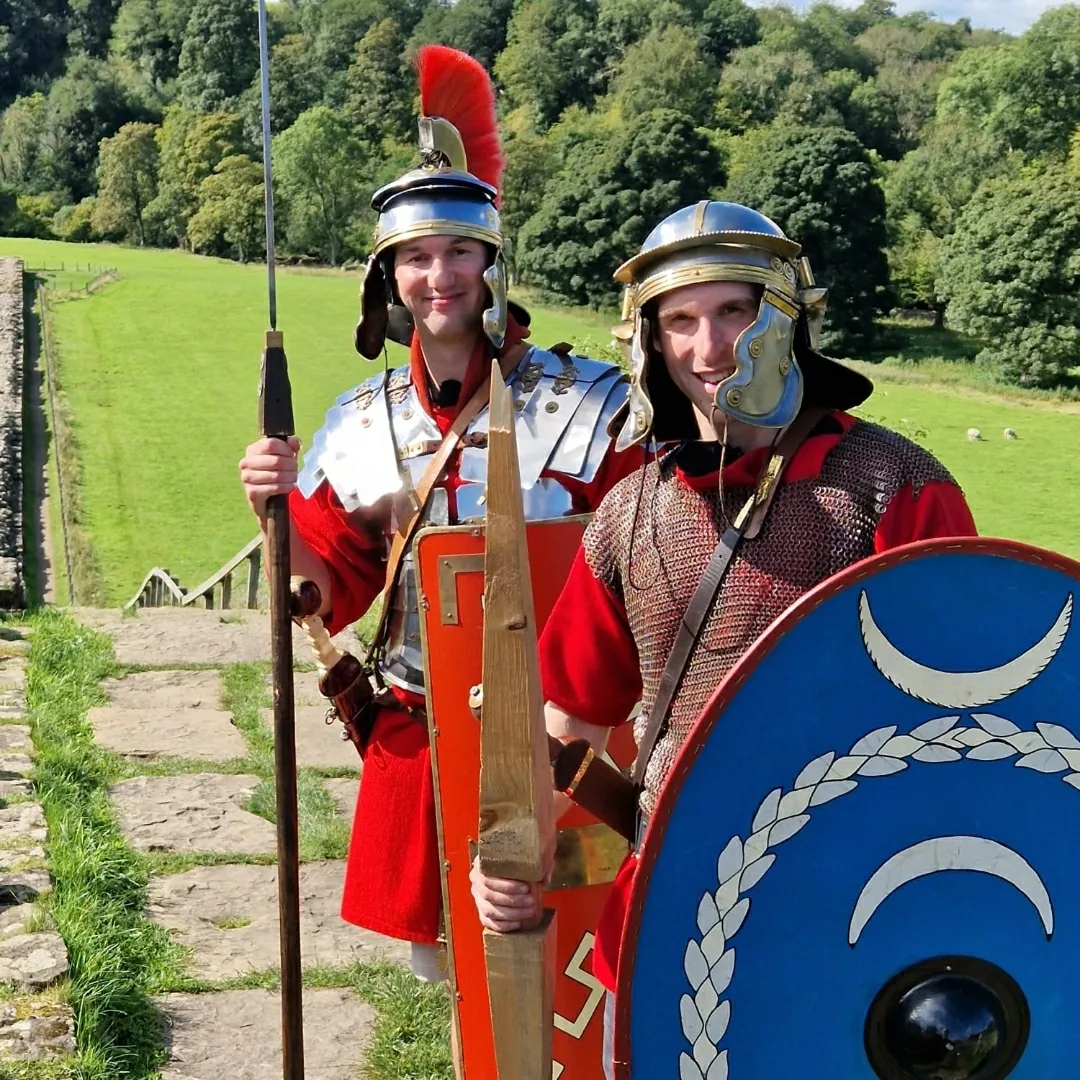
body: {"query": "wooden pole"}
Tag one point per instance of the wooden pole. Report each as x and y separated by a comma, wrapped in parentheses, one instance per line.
(517, 819)
(275, 402)
(276, 421)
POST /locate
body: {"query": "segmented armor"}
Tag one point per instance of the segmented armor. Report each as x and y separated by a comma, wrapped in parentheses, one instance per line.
(377, 438)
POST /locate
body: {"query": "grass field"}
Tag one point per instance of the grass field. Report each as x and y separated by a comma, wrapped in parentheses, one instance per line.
(161, 371)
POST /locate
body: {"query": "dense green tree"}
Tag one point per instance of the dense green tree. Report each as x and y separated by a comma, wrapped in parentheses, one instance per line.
(220, 54)
(761, 84)
(75, 223)
(477, 27)
(913, 37)
(322, 171)
(296, 81)
(665, 70)
(868, 14)
(606, 198)
(127, 181)
(531, 162)
(9, 202)
(623, 23)
(1026, 93)
(31, 45)
(912, 56)
(175, 203)
(819, 185)
(1042, 99)
(31, 215)
(718, 26)
(89, 103)
(725, 25)
(90, 26)
(191, 147)
(380, 87)
(914, 263)
(1011, 274)
(824, 32)
(150, 34)
(867, 110)
(552, 58)
(21, 127)
(926, 192)
(231, 210)
(336, 26)
(936, 180)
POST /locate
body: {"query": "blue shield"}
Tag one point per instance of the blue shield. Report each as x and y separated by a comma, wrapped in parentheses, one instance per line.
(865, 862)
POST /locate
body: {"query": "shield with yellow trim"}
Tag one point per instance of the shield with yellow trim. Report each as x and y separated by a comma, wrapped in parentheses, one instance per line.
(450, 573)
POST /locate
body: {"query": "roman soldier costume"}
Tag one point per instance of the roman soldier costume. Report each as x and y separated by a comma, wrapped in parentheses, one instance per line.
(849, 489)
(369, 470)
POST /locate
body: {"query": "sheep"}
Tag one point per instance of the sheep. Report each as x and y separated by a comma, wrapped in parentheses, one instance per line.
(1010, 433)
(974, 434)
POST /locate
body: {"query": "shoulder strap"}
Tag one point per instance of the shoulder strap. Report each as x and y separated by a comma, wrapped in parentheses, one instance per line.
(748, 522)
(419, 496)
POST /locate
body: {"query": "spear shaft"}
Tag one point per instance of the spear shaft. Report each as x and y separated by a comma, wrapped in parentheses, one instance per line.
(276, 421)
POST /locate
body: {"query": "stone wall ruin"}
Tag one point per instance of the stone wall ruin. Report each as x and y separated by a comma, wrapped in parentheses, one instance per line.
(11, 433)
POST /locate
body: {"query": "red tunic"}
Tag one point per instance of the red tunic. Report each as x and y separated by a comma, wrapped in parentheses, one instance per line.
(589, 660)
(392, 877)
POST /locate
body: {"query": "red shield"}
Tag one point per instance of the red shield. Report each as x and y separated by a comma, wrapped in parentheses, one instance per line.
(450, 569)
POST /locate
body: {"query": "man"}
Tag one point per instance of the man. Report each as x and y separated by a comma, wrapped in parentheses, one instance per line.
(437, 282)
(722, 322)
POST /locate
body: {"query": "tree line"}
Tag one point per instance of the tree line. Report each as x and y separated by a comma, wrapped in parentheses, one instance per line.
(921, 163)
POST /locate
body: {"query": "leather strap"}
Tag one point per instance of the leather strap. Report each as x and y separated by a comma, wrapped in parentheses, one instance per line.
(747, 522)
(420, 495)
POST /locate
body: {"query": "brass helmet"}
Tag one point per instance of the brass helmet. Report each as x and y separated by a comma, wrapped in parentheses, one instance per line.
(776, 358)
(453, 191)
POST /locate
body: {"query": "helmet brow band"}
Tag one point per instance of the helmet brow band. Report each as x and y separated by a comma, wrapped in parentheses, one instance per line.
(778, 301)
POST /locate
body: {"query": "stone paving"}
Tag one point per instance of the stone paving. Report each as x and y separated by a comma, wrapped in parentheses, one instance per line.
(229, 916)
(32, 955)
(237, 1034)
(167, 637)
(226, 913)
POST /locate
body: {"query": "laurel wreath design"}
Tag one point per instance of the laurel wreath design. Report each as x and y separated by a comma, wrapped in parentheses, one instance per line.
(710, 963)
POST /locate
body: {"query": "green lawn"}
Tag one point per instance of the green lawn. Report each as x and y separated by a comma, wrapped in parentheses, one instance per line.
(161, 369)
(1027, 488)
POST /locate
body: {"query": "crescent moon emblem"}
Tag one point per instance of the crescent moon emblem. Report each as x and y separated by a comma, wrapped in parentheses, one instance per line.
(960, 689)
(950, 853)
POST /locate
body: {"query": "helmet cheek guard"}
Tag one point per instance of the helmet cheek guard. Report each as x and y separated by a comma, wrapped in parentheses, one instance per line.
(635, 419)
(495, 317)
(375, 301)
(382, 315)
(766, 388)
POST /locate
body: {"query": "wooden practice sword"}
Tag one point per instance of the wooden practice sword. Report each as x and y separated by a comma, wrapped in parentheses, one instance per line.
(517, 816)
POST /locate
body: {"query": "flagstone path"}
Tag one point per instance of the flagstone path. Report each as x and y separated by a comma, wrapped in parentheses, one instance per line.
(226, 913)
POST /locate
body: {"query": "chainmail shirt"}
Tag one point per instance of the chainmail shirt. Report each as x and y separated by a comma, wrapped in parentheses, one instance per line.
(652, 537)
